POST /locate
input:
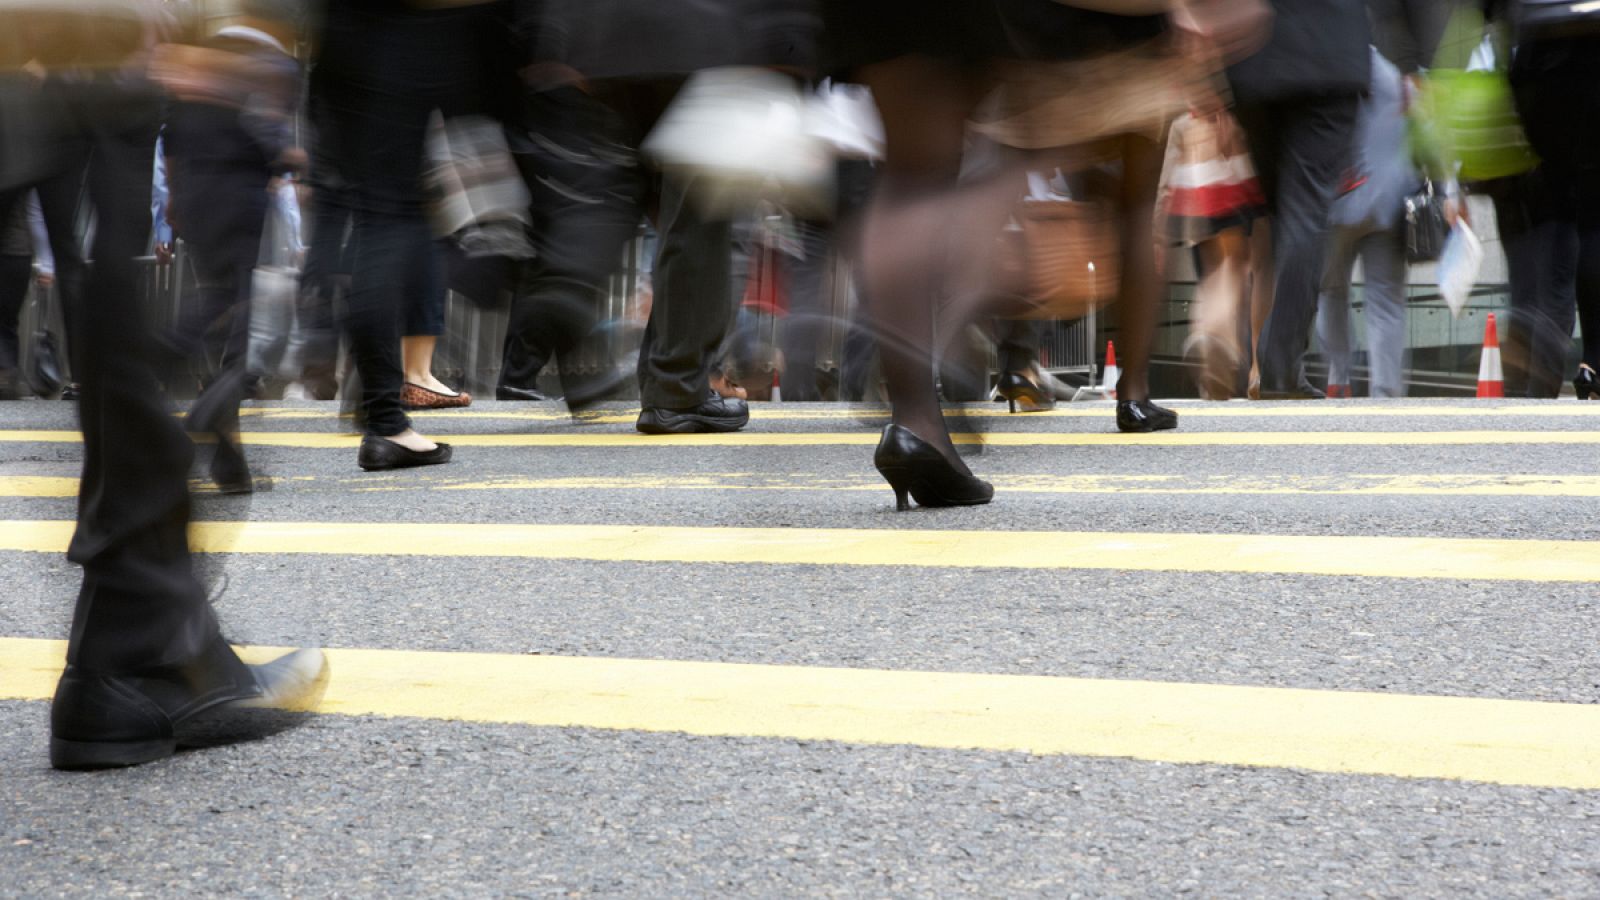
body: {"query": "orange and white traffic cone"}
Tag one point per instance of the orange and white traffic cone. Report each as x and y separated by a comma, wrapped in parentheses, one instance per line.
(1108, 383)
(1491, 377)
(777, 391)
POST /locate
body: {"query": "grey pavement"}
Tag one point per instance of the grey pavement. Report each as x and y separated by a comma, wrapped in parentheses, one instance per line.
(364, 806)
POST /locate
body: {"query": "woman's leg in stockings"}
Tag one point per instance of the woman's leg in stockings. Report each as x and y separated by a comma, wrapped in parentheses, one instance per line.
(1140, 293)
(923, 239)
(1216, 319)
(1263, 278)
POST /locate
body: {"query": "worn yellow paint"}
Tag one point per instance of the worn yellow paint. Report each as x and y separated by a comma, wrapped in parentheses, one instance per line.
(37, 486)
(1335, 485)
(1379, 557)
(1452, 485)
(1495, 741)
(337, 441)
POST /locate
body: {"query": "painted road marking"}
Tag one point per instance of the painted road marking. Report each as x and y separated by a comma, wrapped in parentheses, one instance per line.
(339, 441)
(1377, 557)
(1471, 739)
(793, 412)
(1452, 485)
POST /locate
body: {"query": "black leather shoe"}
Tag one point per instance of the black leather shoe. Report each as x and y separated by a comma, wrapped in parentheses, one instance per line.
(100, 721)
(508, 392)
(1142, 417)
(914, 467)
(714, 414)
(380, 454)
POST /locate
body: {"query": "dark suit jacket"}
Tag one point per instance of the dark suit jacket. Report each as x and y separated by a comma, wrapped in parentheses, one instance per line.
(1317, 48)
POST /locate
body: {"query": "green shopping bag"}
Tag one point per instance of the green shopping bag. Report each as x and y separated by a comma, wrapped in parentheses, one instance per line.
(1476, 120)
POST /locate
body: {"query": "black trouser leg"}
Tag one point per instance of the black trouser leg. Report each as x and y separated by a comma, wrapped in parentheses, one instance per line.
(391, 255)
(16, 275)
(692, 308)
(588, 193)
(140, 604)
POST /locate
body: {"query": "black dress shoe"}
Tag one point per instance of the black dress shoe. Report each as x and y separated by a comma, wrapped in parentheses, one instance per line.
(100, 721)
(508, 392)
(714, 414)
(914, 467)
(1143, 417)
(379, 454)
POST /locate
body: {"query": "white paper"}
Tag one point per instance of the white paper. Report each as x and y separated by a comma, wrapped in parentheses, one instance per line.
(1458, 267)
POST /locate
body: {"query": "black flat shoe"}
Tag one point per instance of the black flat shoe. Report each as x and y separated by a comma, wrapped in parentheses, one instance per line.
(380, 454)
(1587, 384)
(714, 414)
(913, 466)
(1020, 392)
(507, 392)
(100, 721)
(1143, 417)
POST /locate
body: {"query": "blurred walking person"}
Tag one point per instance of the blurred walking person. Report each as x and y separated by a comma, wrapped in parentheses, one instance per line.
(1368, 223)
(1555, 74)
(229, 132)
(146, 654)
(1297, 100)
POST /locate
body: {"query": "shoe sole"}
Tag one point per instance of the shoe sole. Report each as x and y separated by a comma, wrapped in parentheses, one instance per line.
(389, 467)
(82, 755)
(691, 425)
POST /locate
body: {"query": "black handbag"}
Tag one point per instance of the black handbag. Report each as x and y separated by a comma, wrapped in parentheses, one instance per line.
(44, 369)
(1425, 225)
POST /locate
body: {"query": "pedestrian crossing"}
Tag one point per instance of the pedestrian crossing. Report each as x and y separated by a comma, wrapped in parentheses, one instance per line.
(1490, 739)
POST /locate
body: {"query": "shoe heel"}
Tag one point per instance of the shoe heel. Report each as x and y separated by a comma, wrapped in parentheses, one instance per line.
(1011, 405)
(65, 754)
(899, 481)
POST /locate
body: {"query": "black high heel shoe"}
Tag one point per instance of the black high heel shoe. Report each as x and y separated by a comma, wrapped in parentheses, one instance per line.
(1142, 417)
(1020, 390)
(913, 466)
(1587, 384)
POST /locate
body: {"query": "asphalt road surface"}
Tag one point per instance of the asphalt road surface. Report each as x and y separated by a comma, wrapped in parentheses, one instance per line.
(1340, 648)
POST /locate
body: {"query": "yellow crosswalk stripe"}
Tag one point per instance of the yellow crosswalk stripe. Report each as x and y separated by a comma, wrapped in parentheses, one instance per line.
(1444, 485)
(1496, 741)
(339, 441)
(763, 412)
(1378, 557)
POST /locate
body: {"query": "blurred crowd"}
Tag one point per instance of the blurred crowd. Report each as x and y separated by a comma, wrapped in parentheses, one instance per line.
(329, 173)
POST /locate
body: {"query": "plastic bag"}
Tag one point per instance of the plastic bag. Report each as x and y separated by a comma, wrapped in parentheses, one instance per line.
(1458, 267)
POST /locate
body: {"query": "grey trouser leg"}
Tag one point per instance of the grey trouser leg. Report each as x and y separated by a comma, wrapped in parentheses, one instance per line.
(1333, 304)
(1383, 260)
